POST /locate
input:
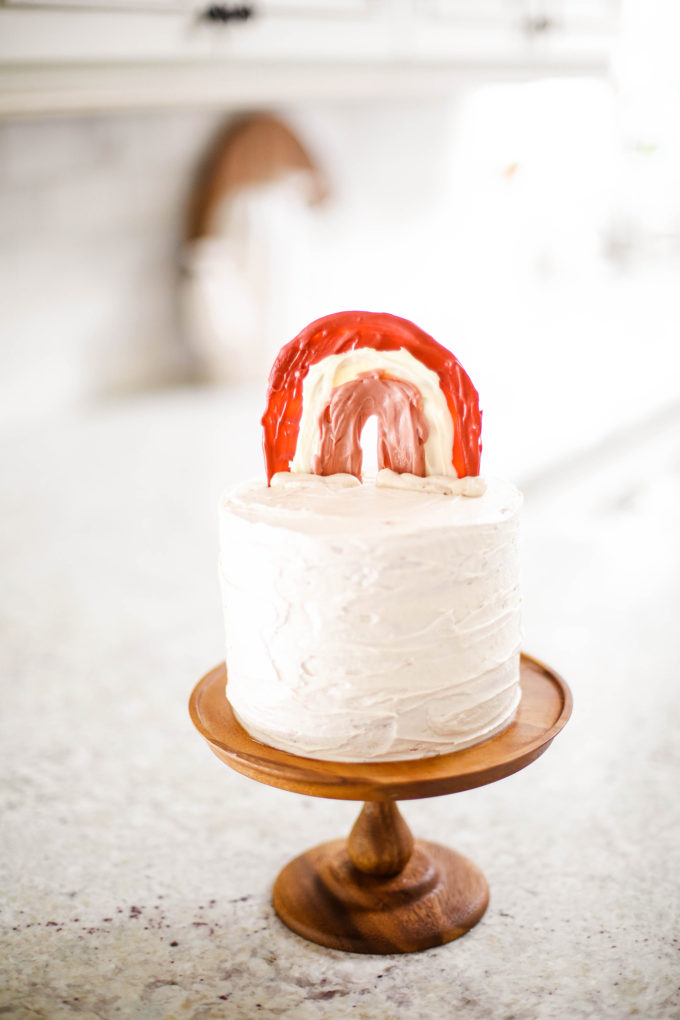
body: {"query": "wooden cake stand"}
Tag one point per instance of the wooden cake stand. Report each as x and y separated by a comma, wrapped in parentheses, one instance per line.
(381, 891)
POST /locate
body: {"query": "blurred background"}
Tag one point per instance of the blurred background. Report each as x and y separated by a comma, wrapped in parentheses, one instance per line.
(183, 187)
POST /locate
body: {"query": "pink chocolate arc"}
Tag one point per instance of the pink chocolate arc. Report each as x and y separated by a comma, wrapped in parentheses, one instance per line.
(341, 333)
(402, 430)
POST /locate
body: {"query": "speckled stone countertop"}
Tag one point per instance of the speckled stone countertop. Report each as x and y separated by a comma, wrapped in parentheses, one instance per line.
(137, 869)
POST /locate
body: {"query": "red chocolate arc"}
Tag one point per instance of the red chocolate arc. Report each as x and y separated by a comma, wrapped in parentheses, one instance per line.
(402, 430)
(348, 331)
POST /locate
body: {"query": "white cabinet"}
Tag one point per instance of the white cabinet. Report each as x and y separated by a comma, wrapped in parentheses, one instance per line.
(567, 35)
(312, 8)
(58, 55)
(240, 11)
(530, 15)
(101, 5)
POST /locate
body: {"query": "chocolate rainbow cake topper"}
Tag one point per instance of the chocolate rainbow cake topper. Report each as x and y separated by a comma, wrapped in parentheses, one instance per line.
(346, 367)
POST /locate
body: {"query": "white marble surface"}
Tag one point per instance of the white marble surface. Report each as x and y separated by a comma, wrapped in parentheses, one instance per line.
(137, 869)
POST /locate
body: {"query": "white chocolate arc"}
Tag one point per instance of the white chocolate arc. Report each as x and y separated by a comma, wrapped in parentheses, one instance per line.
(371, 624)
(446, 485)
(325, 375)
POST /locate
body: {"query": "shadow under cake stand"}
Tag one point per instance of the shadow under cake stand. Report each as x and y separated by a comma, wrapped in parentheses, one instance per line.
(381, 891)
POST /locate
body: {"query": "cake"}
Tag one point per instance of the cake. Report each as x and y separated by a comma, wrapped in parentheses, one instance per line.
(372, 619)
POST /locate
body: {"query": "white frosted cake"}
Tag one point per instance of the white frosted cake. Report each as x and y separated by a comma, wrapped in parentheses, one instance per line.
(371, 619)
(371, 623)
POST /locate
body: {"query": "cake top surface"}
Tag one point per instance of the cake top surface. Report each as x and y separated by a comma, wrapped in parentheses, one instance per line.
(320, 506)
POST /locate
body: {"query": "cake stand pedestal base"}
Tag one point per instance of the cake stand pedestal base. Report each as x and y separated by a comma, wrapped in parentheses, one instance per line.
(380, 891)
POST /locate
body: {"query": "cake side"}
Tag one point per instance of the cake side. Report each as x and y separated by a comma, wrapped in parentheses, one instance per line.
(367, 623)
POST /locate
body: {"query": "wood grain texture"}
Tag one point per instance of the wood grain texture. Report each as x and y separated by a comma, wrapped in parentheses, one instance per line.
(380, 842)
(543, 711)
(380, 891)
(436, 898)
(250, 150)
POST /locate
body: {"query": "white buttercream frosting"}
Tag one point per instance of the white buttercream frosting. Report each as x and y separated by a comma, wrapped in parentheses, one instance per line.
(299, 478)
(336, 369)
(447, 485)
(368, 622)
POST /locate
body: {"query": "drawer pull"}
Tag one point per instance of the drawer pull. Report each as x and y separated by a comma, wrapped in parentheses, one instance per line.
(227, 12)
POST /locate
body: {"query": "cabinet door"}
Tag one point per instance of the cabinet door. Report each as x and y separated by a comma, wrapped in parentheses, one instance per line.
(532, 16)
(312, 8)
(308, 9)
(465, 10)
(103, 5)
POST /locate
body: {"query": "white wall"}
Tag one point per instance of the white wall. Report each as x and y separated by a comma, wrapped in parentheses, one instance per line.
(512, 223)
(89, 225)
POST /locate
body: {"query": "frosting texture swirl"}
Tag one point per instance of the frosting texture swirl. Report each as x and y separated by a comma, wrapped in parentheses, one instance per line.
(368, 622)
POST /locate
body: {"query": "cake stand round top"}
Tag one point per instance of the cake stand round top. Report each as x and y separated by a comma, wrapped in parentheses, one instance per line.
(544, 709)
